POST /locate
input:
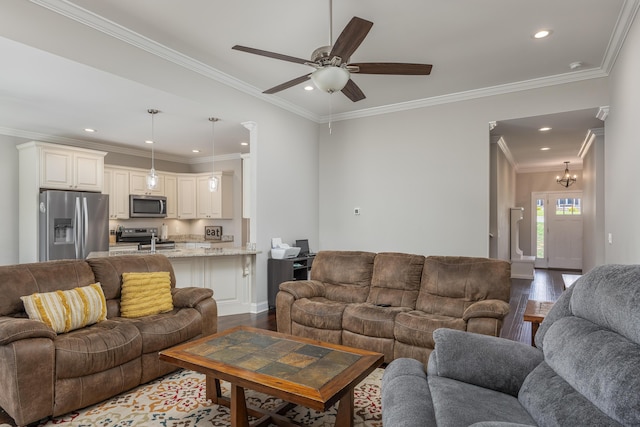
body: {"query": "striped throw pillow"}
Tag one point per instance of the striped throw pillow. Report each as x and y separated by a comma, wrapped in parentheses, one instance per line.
(65, 311)
(144, 294)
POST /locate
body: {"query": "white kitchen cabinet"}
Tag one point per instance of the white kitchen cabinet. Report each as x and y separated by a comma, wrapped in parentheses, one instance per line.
(138, 184)
(217, 204)
(70, 168)
(171, 192)
(187, 197)
(43, 165)
(116, 185)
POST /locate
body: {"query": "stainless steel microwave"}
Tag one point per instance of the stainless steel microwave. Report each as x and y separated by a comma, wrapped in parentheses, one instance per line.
(147, 206)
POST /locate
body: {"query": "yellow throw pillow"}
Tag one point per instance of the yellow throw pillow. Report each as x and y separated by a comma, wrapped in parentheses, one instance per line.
(65, 311)
(144, 294)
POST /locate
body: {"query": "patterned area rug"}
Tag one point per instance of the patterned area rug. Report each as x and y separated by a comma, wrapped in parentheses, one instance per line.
(178, 400)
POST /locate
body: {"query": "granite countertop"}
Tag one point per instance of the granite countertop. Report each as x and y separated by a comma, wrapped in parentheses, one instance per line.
(179, 252)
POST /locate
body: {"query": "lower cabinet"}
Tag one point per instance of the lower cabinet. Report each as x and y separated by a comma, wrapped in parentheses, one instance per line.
(228, 276)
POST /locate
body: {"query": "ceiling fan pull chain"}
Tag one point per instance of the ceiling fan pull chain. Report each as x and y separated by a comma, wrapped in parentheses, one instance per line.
(330, 111)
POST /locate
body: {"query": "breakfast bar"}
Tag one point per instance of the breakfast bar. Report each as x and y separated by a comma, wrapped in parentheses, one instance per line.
(229, 272)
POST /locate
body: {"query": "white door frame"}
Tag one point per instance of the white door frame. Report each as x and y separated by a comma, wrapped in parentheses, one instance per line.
(548, 211)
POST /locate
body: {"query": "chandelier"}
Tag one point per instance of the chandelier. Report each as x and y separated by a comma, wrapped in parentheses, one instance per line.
(567, 179)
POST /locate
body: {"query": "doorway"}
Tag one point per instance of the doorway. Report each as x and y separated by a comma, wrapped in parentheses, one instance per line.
(556, 232)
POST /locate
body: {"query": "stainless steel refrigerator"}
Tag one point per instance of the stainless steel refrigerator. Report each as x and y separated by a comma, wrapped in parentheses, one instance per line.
(73, 224)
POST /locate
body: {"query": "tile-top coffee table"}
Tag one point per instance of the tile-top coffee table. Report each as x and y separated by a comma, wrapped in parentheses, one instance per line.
(297, 370)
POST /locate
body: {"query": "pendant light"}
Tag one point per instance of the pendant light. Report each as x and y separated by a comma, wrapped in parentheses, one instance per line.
(152, 177)
(213, 181)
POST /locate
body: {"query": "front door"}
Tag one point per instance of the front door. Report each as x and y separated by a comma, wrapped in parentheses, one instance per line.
(557, 230)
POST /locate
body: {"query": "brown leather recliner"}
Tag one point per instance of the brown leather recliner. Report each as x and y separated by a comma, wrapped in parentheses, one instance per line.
(47, 374)
(392, 302)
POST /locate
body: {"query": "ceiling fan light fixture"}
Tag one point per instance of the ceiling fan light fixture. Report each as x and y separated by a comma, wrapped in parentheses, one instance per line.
(330, 78)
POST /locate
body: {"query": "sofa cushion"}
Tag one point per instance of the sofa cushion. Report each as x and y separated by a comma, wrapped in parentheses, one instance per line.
(27, 279)
(108, 270)
(145, 294)
(457, 403)
(370, 320)
(64, 311)
(598, 363)
(96, 348)
(553, 402)
(343, 267)
(318, 313)
(416, 327)
(396, 279)
(161, 331)
(451, 284)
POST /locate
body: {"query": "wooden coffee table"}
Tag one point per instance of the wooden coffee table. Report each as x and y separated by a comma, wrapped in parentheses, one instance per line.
(297, 370)
(535, 312)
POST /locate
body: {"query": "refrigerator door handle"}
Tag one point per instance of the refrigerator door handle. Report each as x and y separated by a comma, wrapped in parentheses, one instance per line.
(85, 226)
(77, 223)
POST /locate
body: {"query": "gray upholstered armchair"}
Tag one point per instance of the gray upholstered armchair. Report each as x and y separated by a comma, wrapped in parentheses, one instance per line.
(585, 371)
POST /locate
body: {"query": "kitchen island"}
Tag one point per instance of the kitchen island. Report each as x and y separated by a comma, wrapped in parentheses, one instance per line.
(230, 272)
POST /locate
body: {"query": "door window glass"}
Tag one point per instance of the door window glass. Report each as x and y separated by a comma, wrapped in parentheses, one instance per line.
(568, 206)
(540, 228)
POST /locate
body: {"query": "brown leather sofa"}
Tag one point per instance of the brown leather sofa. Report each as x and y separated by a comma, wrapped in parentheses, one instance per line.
(392, 302)
(47, 374)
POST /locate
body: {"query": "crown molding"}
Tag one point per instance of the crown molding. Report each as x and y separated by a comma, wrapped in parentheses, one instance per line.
(110, 28)
(470, 95)
(97, 22)
(111, 148)
(507, 153)
(623, 24)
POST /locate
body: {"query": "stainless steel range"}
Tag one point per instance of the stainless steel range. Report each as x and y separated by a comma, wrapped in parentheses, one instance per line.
(143, 237)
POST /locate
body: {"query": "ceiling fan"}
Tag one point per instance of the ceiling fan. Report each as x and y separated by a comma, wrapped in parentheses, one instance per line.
(333, 69)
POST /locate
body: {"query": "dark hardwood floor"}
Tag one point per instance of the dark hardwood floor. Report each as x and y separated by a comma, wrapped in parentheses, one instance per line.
(547, 286)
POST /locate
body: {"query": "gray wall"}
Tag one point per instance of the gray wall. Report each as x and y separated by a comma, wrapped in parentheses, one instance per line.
(593, 239)
(9, 193)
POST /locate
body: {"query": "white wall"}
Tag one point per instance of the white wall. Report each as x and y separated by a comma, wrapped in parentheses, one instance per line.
(421, 177)
(9, 194)
(622, 152)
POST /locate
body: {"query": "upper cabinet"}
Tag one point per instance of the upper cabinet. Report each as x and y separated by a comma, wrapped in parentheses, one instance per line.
(138, 184)
(63, 168)
(187, 204)
(116, 185)
(171, 192)
(217, 204)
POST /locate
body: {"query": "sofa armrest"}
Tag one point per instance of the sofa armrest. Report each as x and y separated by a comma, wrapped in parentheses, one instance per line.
(190, 297)
(406, 398)
(492, 308)
(303, 288)
(490, 362)
(12, 329)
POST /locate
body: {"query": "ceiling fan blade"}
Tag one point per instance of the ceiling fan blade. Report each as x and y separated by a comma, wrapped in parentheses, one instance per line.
(270, 54)
(287, 85)
(350, 38)
(393, 68)
(353, 92)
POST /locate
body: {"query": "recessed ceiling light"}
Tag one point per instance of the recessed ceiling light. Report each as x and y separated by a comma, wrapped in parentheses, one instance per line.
(244, 143)
(308, 87)
(89, 130)
(545, 149)
(544, 129)
(542, 34)
(575, 65)
(148, 142)
(195, 151)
